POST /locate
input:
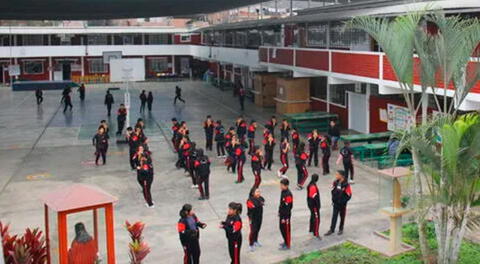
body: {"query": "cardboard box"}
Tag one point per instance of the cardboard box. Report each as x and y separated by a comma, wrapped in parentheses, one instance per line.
(264, 100)
(265, 83)
(292, 108)
(296, 89)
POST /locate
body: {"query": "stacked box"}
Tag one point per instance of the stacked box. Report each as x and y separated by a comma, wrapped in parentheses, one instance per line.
(293, 95)
(265, 89)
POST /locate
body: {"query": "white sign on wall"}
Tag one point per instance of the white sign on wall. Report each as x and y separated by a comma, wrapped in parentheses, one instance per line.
(14, 70)
(122, 70)
(398, 118)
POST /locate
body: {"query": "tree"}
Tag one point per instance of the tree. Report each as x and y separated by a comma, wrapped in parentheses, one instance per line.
(443, 60)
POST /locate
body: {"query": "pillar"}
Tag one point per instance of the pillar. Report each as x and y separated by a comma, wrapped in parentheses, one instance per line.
(50, 69)
(62, 238)
(424, 109)
(110, 233)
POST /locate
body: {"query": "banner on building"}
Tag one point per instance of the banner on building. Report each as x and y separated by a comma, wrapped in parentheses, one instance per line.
(398, 118)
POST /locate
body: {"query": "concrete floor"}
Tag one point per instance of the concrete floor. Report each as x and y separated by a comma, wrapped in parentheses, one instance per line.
(42, 149)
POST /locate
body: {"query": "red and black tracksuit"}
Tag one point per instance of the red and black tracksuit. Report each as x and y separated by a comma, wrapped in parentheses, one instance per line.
(347, 159)
(134, 141)
(208, 128)
(241, 131)
(100, 141)
(233, 231)
(189, 237)
(341, 194)
(285, 214)
(313, 143)
(251, 139)
(255, 214)
(270, 125)
(326, 152)
(269, 148)
(202, 168)
(145, 176)
(284, 132)
(240, 161)
(220, 140)
(257, 169)
(121, 118)
(313, 201)
(230, 161)
(295, 141)
(300, 163)
(284, 158)
(175, 136)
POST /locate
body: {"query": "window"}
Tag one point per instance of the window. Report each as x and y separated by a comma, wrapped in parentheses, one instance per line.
(254, 39)
(338, 93)
(97, 66)
(271, 37)
(33, 67)
(158, 39)
(346, 38)
(317, 35)
(318, 87)
(32, 40)
(185, 38)
(97, 39)
(241, 39)
(229, 38)
(158, 64)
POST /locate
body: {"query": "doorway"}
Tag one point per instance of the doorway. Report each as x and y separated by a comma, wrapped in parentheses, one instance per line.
(357, 112)
(66, 71)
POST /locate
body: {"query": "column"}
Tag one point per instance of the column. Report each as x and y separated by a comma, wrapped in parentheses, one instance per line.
(50, 69)
(173, 64)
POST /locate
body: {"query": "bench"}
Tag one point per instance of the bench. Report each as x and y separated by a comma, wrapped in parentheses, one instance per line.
(369, 138)
(306, 122)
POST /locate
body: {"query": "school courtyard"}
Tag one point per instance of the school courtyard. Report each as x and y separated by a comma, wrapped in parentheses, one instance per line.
(43, 149)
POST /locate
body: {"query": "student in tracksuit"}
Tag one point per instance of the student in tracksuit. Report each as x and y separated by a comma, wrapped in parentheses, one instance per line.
(313, 144)
(145, 174)
(67, 99)
(313, 202)
(284, 130)
(230, 145)
(284, 149)
(39, 95)
(270, 125)
(269, 146)
(178, 95)
(143, 101)
(192, 157)
(240, 158)
(301, 158)
(220, 138)
(202, 170)
(135, 139)
(109, 102)
(346, 156)
(183, 147)
(251, 136)
(241, 96)
(233, 230)
(121, 118)
(208, 127)
(150, 101)
(341, 194)
(100, 141)
(188, 230)
(295, 140)
(255, 205)
(175, 134)
(81, 91)
(326, 152)
(257, 166)
(241, 129)
(285, 214)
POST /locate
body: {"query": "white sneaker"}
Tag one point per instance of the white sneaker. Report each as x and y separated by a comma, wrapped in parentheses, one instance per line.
(149, 206)
(252, 248)
(257, 244)
(194, 187)
(279, 174)
(351, 181)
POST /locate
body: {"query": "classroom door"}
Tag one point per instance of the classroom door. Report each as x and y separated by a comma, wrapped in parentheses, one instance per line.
(357, 112)
(66, 71)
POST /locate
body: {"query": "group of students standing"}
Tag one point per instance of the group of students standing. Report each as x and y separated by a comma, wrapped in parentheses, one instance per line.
(234, 145)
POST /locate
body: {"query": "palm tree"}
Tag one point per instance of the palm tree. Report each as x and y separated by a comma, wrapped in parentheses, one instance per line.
(443, 57)
(450, 158)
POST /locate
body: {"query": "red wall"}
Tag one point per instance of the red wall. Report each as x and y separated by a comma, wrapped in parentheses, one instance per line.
(377, 103)
(342, 115)
(34, 77)
(312, 59)
(356, 64)
(284, 56)
(318, 105)
(195, 39)
(289, 35)
(263, 54)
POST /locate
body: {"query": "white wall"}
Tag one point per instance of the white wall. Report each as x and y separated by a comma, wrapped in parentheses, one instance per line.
(127, 70)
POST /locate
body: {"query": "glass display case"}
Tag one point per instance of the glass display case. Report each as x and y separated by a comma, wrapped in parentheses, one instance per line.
(79, 225)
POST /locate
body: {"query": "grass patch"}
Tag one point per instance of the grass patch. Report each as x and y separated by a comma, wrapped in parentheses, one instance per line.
(348, 253)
